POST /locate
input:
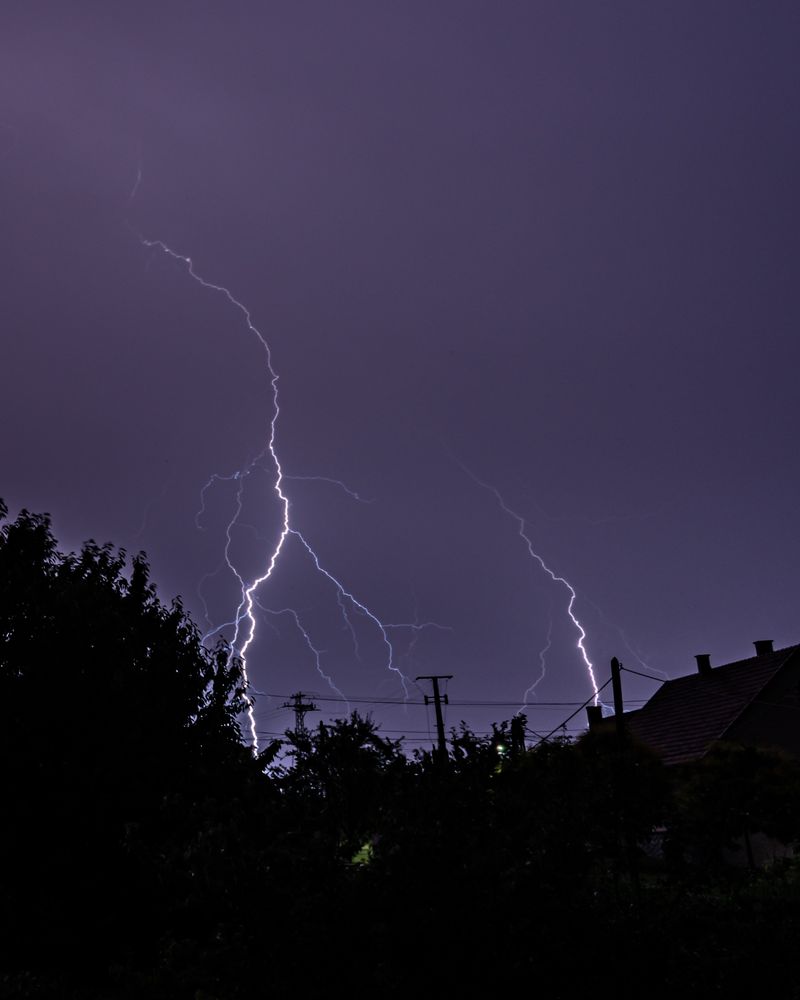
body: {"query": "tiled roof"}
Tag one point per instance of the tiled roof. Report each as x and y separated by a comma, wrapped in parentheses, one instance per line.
(686, 714)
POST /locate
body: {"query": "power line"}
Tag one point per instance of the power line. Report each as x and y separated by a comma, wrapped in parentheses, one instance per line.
(650, 677)
(357, 701)
(466, 703)
(569, 718)
(404, 734)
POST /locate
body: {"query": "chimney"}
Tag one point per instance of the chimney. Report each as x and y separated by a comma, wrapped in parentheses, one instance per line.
(703, 663)
(594, 714)
(763, 647)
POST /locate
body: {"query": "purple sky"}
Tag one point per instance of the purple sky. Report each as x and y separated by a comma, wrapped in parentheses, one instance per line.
(553, 242)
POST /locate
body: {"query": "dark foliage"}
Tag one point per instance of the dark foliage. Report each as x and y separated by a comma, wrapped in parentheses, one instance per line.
(730, 803)
(340, 778)
(118, 742)
(147, 852)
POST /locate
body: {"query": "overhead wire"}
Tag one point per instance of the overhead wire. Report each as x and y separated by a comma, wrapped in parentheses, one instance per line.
(411, 735)
(569, 718)
(465, 703)
(650, 677)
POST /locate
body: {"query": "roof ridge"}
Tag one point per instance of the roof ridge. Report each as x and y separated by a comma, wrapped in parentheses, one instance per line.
(688, 713)
(722, 667)
(789, 651)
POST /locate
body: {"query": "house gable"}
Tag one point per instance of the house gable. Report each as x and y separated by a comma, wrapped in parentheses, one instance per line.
(751, 701)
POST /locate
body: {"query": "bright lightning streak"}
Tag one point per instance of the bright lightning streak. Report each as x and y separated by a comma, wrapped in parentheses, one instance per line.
(244, 612)
(627, 643)
(244, 622)
(553, 576)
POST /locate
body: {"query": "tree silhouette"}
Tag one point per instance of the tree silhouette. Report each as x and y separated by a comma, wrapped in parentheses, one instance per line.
(733, 793)
(111, 711)
(342, 778)
(147, 851)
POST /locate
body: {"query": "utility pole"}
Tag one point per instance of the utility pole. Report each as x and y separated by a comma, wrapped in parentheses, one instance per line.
(438, 698)
(299, 707)
(518, 735)
(619, 722)
(619, 711)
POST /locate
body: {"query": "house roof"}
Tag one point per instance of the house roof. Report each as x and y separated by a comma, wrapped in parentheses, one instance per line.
(687, 714)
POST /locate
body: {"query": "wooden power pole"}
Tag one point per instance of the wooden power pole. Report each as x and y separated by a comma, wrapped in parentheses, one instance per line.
(438, 698)
(622, 748)
(619, 710)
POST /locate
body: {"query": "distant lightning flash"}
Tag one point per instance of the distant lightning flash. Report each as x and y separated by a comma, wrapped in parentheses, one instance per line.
(628, 644)
(244, 621)
(383, 629)
(138, 181)
(542, 663)
(349, 625)
(416, 629)
(333, 482)
(317, 653)
(553, 576)
(214, 478)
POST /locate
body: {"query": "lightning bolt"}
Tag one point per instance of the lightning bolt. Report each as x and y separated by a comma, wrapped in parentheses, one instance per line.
(137, 182)
(348, 624)
(244, 621)
(334, 482)
(542, 662)
(383, 629)
(523, 534)
(409, 653)
(152, 503)
(627, 642)
(317, 653)
(212, 480)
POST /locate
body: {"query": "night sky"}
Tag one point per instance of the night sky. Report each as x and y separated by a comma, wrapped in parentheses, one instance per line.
(547, 246)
